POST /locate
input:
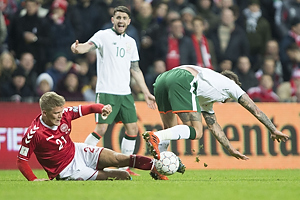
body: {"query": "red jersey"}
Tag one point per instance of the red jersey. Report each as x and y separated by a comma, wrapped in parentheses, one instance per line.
(52, 146)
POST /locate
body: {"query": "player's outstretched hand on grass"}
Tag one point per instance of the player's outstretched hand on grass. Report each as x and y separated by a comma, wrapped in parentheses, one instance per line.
(238, 155)
(279, 136)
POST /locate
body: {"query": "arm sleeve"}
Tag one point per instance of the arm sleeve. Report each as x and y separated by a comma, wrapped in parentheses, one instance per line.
(92, 108)
(25, 170)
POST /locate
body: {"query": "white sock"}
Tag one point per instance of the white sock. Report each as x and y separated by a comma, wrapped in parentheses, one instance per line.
(163, 145)
(174, 133)
(91, 140)
(127, 148)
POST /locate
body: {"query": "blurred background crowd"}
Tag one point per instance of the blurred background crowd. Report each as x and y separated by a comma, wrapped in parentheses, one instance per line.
(257, 39)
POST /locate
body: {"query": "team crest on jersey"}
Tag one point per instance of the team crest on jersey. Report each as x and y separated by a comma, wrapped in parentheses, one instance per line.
(75, 109)
(128, 47)
(64, 128)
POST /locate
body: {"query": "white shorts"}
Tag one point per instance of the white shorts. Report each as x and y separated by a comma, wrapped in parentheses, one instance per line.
(84, 164)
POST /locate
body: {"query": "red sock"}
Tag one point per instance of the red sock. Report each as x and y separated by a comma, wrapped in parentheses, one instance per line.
(140, 162)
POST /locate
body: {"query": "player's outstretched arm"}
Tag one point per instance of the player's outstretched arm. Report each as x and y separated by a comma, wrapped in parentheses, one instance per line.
(218, 133)
(81, 48)
(25, 169)
(247, 103)
(137, 74)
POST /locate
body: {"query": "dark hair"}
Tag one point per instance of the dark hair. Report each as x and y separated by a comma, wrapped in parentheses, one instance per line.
(122, 9)
(198, 18)
(231, 75)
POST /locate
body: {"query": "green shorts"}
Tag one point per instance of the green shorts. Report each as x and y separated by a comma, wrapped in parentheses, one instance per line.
(175, 91)
(123, 108)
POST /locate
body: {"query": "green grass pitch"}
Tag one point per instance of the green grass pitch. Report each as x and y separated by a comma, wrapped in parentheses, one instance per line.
(194, 184)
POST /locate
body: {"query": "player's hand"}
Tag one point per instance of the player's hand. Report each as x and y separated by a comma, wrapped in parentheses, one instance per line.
(106, 110)
(74, 47)
(235, 153)
(41, 179)
(279, 136)
(150, 100)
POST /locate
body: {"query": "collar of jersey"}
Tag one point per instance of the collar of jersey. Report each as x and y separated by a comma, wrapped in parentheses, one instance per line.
(54, 128)
(118, 33)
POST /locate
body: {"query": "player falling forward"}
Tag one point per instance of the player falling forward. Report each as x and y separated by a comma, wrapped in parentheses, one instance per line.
(176, 92)
(48, 137)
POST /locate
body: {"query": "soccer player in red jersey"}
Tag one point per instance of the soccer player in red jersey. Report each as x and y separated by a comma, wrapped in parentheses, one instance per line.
(48, 137)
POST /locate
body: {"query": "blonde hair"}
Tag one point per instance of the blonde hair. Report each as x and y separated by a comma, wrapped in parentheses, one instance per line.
(50, 100)
(14, 64)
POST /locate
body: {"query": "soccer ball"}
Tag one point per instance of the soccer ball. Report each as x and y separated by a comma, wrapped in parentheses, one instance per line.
(168, 163)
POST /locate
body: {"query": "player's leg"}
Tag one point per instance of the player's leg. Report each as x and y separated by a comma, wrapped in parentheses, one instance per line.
(96, 135)
(110, 158)
(112, 174)
(102, 124)
(127, 114)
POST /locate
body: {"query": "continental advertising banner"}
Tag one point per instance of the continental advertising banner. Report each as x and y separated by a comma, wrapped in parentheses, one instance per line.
(243, 130)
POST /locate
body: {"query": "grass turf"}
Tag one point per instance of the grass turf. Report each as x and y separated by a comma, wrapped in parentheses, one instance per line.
(194, 184)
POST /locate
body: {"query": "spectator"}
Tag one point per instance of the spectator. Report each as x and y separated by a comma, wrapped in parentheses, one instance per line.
(72, 13)
(91, 58)
(61, 29)
(90, 12)
(291, 38)
(155, 31)
(203, 47)
(289, 91)
(7, 67)
(225, 64)
(258, 32)
(89, 90)
(245, 73)
(8, 9)
(30, 33)
(144, 18)
(268, 67)
(3, 33)
(272, 51)
(219, 5)
(179, 5)
(187, 15)
(287, 12)
(293, 55)
(44, 83)
(263, 92)
(211, 19)
(82, 69)
(175, 49)
(159, 67)
(70, 87)
(230, 40)
(16, 90)
(27, 63)
(59, 68)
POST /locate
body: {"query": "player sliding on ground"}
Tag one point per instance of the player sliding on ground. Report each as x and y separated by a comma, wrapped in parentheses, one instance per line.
(48, 137)
(188, 90)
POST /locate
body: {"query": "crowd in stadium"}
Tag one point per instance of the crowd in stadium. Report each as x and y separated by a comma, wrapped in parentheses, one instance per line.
(259, 40)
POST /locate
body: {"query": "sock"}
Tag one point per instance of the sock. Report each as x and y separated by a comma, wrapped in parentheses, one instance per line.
(140, 162)
(92, 139)
(163, 145)
(176, 133)
(127, 146)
